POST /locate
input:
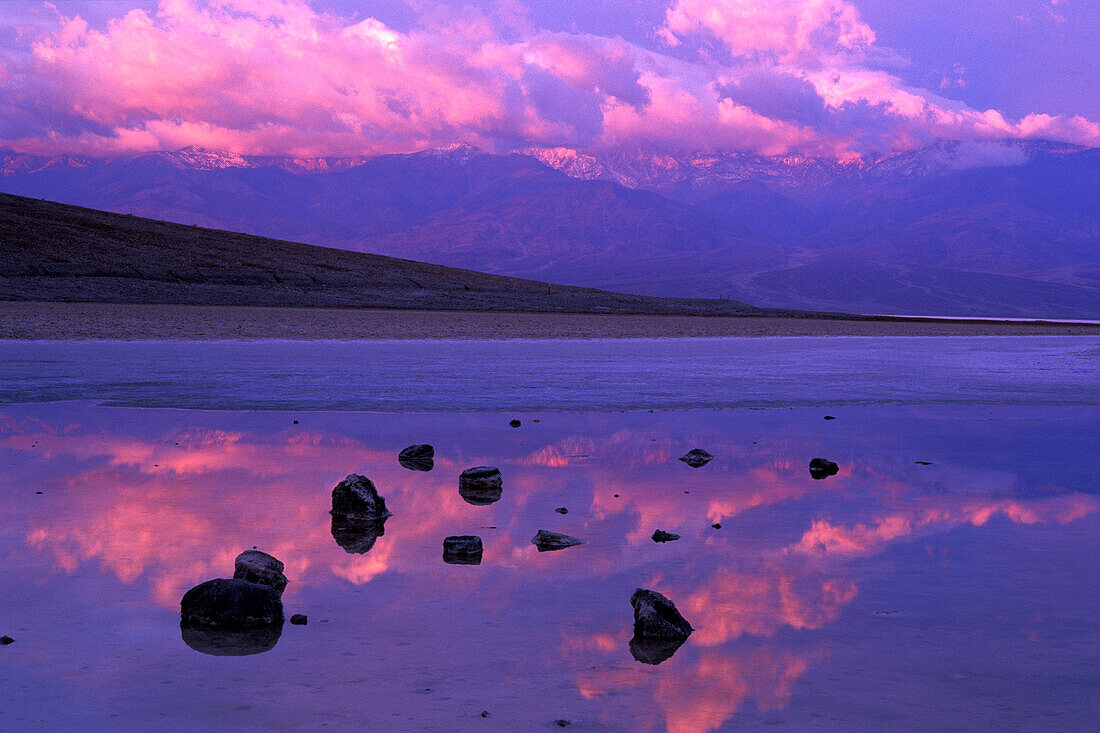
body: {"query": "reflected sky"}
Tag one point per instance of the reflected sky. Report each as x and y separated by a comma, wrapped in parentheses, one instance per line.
(891, 595)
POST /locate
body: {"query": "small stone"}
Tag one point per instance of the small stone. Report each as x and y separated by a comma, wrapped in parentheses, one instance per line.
(231, 604)
(299, 619)
(480, 485)
(546, 541)
(662, 536)
(417, 457)
(514, 423)
(463, 549)
(822, 468)
(356, 497)
(656, 617)
(697, 457)
(562, 510)
(5, 640)
(259, 567)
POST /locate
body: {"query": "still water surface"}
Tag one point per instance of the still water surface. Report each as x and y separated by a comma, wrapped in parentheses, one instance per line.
(895, 595)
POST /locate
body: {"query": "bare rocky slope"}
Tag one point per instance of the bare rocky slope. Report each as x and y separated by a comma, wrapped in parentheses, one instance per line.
(56, 252)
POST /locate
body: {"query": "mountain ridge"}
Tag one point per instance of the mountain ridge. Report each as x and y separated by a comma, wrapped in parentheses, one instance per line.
(1021, 215)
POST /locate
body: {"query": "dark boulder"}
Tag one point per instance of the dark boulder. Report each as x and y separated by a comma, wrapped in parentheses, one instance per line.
(546, 540)
(654, 651)
(299, 619)
(697, 457)
(231, 604)
(660, 535)
(355, 497)
(656, 617)
(259, 567)
(463, 549)
(481, 485)
(821, 468)
(231, 642)
(357, 536)
(418, 457)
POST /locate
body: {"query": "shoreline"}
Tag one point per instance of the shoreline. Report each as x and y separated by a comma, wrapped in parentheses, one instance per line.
(57, 321)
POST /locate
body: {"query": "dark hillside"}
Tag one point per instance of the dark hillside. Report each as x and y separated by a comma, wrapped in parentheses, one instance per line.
(56, 252)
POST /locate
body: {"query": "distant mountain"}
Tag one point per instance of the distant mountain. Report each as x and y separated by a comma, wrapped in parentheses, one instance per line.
(1009, 228)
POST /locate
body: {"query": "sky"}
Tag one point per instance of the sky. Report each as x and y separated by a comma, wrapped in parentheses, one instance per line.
(829, 78)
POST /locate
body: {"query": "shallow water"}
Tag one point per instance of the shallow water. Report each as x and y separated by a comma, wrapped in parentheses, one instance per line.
(565, 374)
(893, 596)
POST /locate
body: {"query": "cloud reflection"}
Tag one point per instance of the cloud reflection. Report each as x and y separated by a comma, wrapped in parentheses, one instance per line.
(150, 502)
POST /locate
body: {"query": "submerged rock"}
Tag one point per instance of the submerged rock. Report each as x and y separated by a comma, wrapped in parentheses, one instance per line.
(417, 457)
(481, 485)
(357, 536)
(259, 567)
(697, 457)
(546, 540)
(355, 497)
(463, 549)
(654, 651)
(231, 642)
(822, 468)
(231, 604)
(299, 619)
(656, 617)
(660, 535)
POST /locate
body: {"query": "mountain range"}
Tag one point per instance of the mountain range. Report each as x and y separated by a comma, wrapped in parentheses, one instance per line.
(1009, 228)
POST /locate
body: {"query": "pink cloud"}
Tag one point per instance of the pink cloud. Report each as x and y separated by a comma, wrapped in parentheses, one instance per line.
(782, 29)
(280, 77)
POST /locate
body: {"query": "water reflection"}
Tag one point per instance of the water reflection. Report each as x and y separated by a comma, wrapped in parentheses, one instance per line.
(231, 642)
(163, 500)
(654, 651)
(357, 536)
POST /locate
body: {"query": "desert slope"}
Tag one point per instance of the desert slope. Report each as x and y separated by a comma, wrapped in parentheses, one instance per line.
(56, 252)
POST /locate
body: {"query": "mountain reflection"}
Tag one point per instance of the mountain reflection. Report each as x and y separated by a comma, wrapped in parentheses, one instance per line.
(151, 502)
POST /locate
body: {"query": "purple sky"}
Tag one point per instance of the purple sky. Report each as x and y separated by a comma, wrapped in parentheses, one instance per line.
(337, 77)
